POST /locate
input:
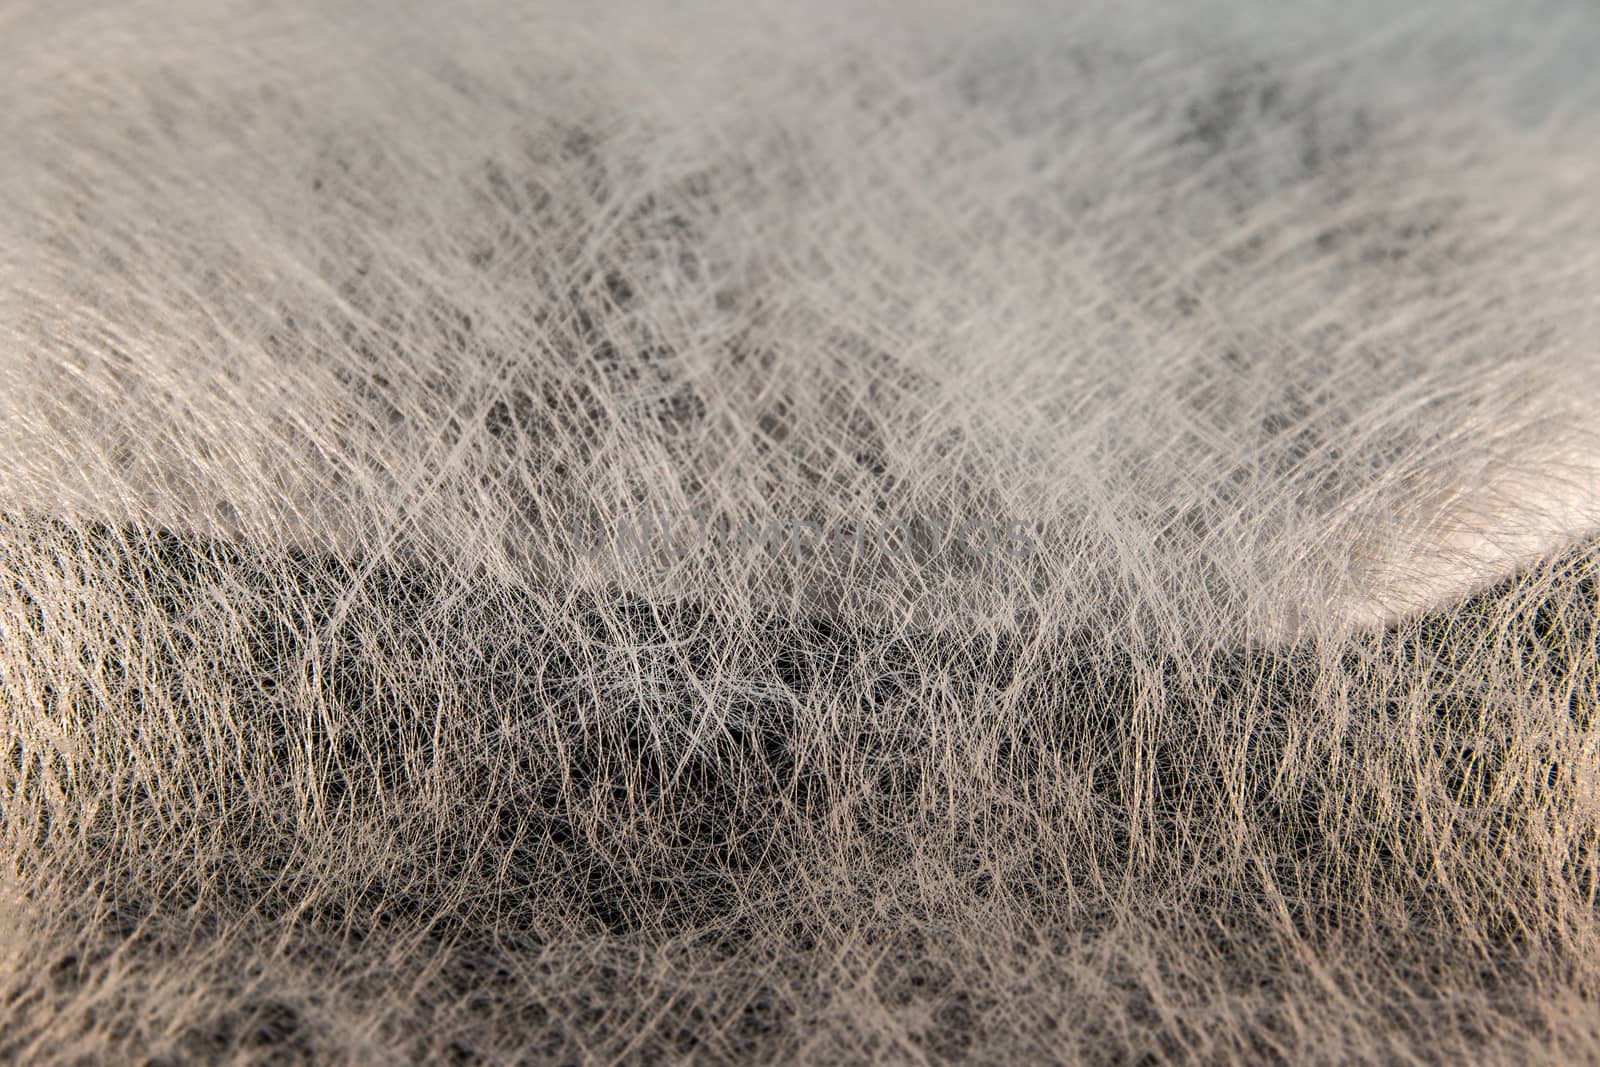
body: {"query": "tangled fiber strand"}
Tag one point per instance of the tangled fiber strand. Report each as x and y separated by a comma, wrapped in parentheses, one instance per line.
(335, 340)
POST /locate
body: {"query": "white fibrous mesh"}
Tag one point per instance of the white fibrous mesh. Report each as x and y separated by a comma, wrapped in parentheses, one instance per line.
(799, 533)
